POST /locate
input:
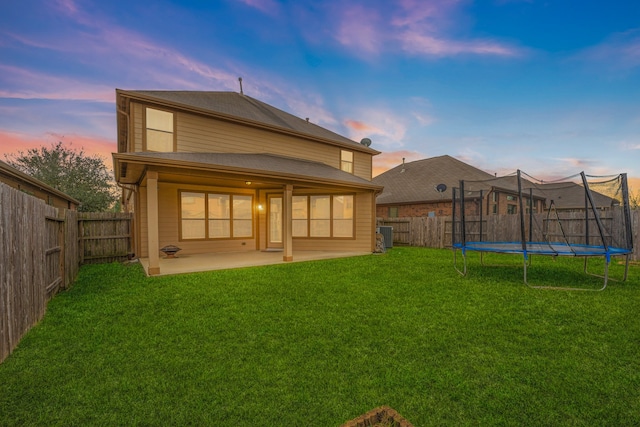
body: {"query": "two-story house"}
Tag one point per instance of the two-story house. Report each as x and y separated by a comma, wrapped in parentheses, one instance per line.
(223, 172)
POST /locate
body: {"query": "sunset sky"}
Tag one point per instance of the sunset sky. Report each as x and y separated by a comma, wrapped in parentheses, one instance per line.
(551, 87)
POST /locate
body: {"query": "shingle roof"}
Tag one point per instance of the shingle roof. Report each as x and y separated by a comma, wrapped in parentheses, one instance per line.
(569, 195)
(417, 181)
(235, 105)
(267, 164)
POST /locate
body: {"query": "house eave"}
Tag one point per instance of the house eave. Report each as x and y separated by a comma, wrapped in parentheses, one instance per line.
(120, 159)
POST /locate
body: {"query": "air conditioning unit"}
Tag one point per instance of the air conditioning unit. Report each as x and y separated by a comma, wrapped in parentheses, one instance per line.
(387, 233)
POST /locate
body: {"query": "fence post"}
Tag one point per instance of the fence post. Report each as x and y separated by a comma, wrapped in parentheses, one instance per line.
(61, 242)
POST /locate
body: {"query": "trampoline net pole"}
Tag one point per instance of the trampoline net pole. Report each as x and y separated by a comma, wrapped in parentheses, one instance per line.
(595, 213)
(523, 236)
(627, 213)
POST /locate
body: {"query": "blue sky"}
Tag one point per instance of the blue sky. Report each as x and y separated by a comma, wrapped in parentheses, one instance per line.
(549, 87)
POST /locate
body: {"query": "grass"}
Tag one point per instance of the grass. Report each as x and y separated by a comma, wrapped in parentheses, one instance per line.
(319, 343)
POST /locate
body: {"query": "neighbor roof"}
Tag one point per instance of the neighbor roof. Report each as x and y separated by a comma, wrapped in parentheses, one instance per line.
(266, 165)
(11, 172)
(569, 195)
(418, 181)
(235, 106)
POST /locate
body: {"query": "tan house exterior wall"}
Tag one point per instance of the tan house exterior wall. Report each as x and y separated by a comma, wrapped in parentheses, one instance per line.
(199, 134)
(195, 130)
(169, 223)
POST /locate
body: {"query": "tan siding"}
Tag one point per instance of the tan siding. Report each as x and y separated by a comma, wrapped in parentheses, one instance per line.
(362, 165)
(136, 117)
(198, 134)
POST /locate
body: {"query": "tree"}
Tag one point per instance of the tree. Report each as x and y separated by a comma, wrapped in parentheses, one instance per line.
(634, 199)
(73, 172)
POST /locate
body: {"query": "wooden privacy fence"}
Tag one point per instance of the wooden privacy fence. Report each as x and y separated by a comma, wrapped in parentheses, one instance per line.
(435, 232)
(104, 237)
(41, 249)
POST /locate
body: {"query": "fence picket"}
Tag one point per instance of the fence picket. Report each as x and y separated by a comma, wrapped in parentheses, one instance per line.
(40, 253)
(435, 232)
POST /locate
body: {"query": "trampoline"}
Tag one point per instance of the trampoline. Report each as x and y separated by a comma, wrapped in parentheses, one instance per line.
(559, 218)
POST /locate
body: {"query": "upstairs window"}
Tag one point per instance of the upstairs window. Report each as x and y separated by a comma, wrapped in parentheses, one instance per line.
(346, 161)
(159, 135)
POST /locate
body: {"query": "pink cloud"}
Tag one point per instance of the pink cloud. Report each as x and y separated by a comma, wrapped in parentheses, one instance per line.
(360, 126)
(417, 43)
(11, 143)
(385, 127)
(388, 160)
(34, 85)
(359, 29)
(429, 16)
(416, 27)
(96, 40)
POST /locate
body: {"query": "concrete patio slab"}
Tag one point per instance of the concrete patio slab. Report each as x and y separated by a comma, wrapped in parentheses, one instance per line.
(226, 260)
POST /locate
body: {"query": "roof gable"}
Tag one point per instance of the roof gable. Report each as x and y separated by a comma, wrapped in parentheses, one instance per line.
(418, 181)
(232, 105)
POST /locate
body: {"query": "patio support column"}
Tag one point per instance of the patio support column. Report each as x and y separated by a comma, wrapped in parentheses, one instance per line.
(152, 222)
(287, 209)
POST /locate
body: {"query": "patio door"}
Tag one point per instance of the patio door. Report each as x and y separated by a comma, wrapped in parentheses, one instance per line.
(274, 214)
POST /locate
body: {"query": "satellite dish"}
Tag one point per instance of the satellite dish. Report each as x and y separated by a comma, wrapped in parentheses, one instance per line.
(366, 142)
(441, 188)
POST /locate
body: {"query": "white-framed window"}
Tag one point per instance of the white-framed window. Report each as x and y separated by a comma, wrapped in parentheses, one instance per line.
(300, 216)
(192, 218)
(346, 161)
(320, 216)
(323, 216)
(342, 216)
(159, 130)
(206, 215)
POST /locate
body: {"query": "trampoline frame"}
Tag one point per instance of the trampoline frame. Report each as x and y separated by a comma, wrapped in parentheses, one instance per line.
(528, 248)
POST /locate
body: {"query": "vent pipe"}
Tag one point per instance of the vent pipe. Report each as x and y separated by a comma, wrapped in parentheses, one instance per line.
(240, 80)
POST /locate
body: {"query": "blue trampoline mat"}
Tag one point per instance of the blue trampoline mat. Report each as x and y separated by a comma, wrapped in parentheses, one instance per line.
(542, 248)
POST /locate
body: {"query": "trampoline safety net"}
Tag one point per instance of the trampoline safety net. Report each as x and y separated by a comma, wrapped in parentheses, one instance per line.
(580, 215)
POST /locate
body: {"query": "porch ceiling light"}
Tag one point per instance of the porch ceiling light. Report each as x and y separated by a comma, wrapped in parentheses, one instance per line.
(248, 182)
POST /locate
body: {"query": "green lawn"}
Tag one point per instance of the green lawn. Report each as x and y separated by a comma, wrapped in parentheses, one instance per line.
(319, 343)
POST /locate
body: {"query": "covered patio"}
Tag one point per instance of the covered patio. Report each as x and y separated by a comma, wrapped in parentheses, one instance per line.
(226, 260)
